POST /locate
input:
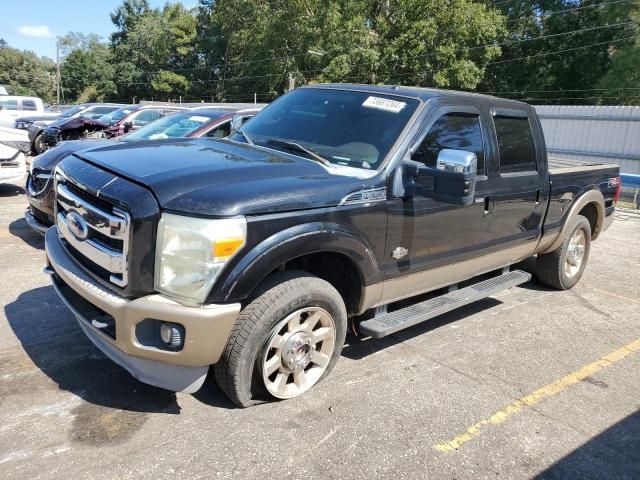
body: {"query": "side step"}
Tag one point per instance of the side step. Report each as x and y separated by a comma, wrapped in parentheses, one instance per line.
(389, 323)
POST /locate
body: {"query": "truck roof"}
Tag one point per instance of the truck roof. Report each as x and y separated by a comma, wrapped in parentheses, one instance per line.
(420, 93)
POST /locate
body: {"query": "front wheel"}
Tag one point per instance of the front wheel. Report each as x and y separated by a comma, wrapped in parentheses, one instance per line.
(39, 145)
(285, 340)
(563, 267)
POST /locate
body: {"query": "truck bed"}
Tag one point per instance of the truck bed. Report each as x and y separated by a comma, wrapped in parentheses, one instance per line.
(559, 166)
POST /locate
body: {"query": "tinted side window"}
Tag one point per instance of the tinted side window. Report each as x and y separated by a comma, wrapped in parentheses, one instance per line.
(515, 143)
(459, 131)
(29, 105)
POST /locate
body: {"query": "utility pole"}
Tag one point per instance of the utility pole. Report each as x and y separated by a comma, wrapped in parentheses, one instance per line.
(58, 71)
(292, 82)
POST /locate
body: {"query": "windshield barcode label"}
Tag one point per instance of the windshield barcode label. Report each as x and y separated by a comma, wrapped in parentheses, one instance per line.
(384, 104)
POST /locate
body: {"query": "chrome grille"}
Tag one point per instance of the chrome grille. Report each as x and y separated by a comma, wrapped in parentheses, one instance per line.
(107, 238)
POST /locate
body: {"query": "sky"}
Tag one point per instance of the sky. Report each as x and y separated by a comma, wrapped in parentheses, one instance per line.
(34, 24)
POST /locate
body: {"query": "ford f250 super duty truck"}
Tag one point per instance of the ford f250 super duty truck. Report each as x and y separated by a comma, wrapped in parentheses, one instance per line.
(254, 254)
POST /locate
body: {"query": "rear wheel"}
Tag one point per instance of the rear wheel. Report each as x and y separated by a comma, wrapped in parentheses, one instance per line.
(285, 340)
(564, 267)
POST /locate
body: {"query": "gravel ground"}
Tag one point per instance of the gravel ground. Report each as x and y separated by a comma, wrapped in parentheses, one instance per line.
(528, 383)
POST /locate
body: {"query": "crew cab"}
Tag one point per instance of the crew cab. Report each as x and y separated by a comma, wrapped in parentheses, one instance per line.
(368, 208)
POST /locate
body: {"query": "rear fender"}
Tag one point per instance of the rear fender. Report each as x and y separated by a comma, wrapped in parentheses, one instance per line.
(590, 196)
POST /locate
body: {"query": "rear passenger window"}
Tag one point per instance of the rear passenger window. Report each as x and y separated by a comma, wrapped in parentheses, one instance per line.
(29, 105)
(515, 143)
(459, 131)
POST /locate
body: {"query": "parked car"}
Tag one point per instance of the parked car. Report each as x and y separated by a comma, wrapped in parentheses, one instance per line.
(12, 107)
(331, 205)
(212, 123)
(14, 146)
(86, 110)
(200, 122)
(84, 125)
(130, 118)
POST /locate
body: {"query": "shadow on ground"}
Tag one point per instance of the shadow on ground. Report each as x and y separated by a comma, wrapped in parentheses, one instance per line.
(54, 342)
(24, 232)
(10, 190)
(615, 454)
(358, 348)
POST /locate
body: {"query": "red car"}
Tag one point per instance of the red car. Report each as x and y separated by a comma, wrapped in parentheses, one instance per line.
(133, 117)
(214, 122)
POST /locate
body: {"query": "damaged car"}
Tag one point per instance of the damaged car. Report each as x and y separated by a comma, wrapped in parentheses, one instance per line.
(85, 125)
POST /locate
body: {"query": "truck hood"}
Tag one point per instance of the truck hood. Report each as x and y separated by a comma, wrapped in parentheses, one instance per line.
(223, 178)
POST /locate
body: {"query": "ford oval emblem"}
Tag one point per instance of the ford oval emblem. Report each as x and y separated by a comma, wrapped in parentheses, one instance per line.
(77, 226)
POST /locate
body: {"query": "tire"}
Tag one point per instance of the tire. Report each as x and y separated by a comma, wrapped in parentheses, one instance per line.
(38, 144)
(564, 267)
(268, 346)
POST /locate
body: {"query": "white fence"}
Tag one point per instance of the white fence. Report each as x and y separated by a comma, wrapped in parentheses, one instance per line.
(593, 134)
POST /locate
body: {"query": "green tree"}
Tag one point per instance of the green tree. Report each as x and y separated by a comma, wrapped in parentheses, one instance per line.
(87, 70)
(156, 55)
(256, 46)
(24, 73)
(557, 51)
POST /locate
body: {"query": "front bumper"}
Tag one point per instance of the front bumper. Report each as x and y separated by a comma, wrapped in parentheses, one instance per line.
(206, 328)
(39, 216)
(34, 223)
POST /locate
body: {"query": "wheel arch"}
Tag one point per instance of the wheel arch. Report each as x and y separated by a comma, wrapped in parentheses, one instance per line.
(313, 247)
(591, 205)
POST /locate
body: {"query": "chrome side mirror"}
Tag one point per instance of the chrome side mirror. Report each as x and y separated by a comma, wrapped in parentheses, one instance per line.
(457, 161)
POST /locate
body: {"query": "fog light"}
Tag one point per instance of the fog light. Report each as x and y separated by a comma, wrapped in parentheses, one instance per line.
(172, 334)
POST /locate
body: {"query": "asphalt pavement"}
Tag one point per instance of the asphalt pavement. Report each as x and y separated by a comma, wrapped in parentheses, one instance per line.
(529, 383)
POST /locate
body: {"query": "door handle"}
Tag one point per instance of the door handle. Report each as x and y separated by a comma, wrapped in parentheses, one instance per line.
(537, 197)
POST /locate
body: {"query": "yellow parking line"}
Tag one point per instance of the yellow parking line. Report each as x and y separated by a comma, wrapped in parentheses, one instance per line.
(539, 395)
(622, 297)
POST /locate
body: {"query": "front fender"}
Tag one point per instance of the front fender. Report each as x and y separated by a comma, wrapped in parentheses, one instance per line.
(294, 242)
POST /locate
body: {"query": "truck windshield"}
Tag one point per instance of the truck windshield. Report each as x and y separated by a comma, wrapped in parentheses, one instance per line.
(351, 128)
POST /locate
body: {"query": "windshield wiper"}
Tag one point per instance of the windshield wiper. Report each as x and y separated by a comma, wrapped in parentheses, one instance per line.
(299, 148)
(246, 137)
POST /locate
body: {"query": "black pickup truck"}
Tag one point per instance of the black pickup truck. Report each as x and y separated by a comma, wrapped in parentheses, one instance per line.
(338, 206)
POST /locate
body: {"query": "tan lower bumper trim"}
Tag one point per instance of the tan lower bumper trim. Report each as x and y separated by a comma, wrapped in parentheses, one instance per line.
(207, 328)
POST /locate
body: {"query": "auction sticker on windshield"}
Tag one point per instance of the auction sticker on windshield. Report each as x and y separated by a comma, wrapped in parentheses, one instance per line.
(384, 104)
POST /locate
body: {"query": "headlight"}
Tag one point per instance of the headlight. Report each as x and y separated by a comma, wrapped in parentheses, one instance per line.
(191, 252)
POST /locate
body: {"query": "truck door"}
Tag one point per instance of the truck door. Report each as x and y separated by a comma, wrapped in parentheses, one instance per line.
(425, 233)
(519, 186)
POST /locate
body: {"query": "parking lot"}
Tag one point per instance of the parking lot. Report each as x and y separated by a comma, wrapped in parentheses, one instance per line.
(529, 383)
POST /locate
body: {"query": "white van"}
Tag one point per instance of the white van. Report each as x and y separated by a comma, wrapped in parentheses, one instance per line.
(12, 107)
